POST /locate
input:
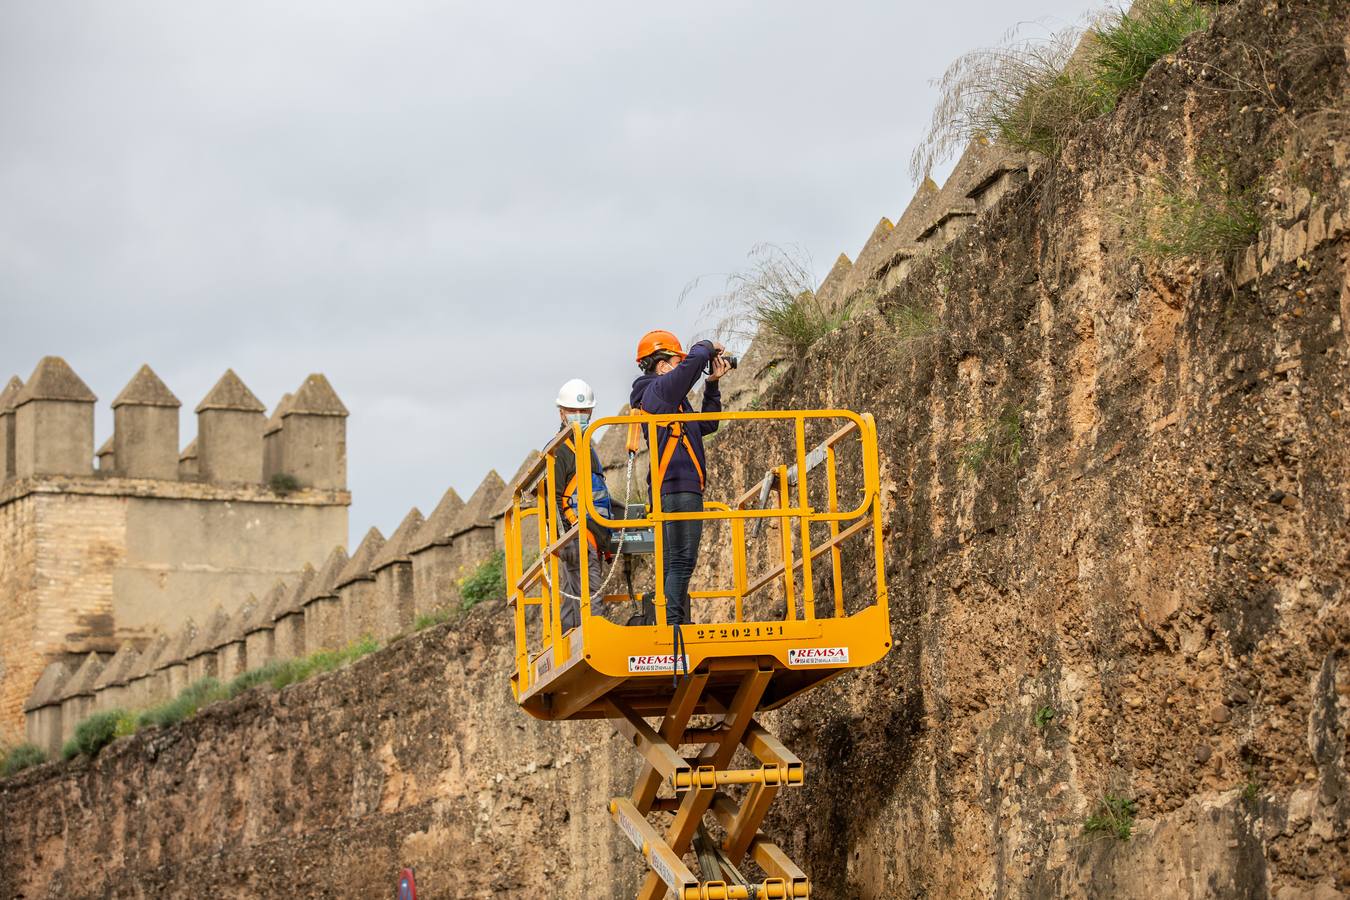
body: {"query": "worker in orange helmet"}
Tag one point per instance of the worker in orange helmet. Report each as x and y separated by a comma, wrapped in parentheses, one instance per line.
(678, 461)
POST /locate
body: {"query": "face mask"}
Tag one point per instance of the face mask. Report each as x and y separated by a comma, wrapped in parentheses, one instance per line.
(580, 418)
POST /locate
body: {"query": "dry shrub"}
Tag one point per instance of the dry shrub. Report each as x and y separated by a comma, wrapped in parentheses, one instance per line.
(1035, 93)
(774, 298)
(1016, 93)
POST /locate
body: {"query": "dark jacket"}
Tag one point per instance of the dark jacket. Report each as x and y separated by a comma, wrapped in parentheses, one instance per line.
(564, 467)
(669, 393)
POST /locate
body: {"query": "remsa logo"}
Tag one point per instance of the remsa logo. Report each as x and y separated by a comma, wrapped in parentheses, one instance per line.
(818, 656)
(657, 663)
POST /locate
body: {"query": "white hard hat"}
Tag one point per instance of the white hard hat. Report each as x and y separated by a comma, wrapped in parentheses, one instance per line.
(576, 394)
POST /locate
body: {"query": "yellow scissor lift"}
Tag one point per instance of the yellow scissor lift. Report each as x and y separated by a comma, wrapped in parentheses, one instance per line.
(734, 667)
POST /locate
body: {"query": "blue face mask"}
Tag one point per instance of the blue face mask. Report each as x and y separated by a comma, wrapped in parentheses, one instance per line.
(580, 418)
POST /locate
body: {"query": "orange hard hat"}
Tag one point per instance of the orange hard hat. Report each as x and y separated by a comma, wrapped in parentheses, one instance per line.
(658, 341)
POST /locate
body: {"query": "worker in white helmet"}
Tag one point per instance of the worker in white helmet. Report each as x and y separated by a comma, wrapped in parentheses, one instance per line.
(575, 401)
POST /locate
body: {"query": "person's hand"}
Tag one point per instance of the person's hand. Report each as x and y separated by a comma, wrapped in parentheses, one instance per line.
(720, 367)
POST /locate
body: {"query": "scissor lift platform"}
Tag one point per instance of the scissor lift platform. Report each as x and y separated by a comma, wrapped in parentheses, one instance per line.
(635, 665)
(726, 670)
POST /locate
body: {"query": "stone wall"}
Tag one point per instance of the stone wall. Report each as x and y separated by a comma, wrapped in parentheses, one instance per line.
(19, 665)
(1118, 556)
(90, 559)
(328, 787)
(1117, 489)
(213, 623)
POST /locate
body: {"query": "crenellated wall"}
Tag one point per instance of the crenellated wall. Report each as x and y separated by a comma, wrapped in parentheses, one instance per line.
(92, 558)
(1116, 492)
(326, 788)
(376, 592)
(421, 566)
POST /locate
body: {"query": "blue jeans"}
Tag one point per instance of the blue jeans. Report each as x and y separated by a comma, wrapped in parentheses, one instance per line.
(680, 549)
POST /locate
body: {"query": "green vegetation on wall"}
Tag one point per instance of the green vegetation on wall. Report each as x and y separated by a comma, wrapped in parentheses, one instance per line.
(97, 731)
(101, 728)
(1114, 816)
(24, 756)
(999, 441)
(487, 582)
(283, 484)
(1204, 217)
(1027, 95)
(774, 297)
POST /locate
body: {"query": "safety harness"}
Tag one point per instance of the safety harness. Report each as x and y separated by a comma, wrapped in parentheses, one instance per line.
(675, 436)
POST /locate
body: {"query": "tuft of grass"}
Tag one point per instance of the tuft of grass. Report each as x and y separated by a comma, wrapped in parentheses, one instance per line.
(1047, 113)
(1115, 816)
(1206, 217)
(1127, 46)
(283, 483)
(96, 732)
(435, 617)
(1043, 716)
(799, 322)
(487, 582)
(1251, 790)
(912, 322)
(1024, 93)
(292, 670)
(1000, 441)
(774, 299)
(189, 700)
(250, 679)
(1016, 93)
(21, 757)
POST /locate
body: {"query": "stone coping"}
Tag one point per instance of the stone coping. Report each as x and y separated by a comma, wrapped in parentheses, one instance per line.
(94, 485)
(957, 210)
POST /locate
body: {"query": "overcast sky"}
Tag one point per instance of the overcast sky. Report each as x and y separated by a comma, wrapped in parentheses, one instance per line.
(448, 208)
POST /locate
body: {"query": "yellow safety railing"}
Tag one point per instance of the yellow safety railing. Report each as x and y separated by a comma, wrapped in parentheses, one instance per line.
(537, 583)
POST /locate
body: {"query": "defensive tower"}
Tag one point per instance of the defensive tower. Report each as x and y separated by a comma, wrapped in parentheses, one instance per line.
(95, 560)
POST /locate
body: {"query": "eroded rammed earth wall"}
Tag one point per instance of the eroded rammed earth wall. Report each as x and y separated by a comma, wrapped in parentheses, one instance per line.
(1161, 563)
(413, 756)
(1164, 563)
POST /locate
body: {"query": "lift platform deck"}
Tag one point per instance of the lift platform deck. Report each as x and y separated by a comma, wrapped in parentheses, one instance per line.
(731, 662)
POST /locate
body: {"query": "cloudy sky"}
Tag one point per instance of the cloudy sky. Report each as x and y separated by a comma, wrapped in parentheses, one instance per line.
(448, 208)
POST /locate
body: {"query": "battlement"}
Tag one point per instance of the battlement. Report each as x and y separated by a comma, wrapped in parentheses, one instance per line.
(932, 219)
(96, 555)
(377, 593)
(47, 429)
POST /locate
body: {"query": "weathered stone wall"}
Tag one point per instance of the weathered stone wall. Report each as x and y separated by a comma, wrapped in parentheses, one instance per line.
(372, 594)
(19, 665)
(140, 547)
(414, 756)
(185, 556)
(1118, 490)
(90, 564)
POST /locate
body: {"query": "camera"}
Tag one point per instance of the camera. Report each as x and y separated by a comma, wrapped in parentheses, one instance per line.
(731, 361)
